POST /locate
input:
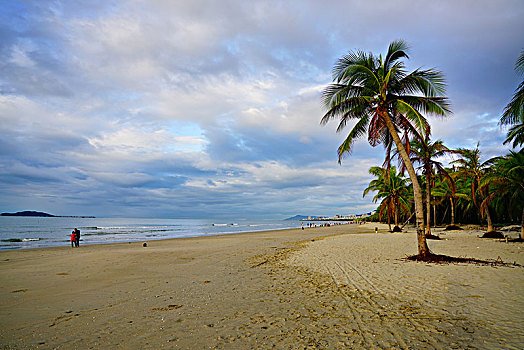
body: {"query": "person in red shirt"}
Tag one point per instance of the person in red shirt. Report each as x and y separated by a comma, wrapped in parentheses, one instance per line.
(77, 237)
(73, 239)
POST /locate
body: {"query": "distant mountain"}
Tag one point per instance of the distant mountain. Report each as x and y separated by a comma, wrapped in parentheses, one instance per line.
(298, 218)
(29, 213)
(40, 214)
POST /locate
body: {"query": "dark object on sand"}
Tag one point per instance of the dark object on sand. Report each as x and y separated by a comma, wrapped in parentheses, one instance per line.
(396, 229)
(445, 259)
(516, 240)
(452, 228)
(432, 237)
(144, 245)
(492, 234)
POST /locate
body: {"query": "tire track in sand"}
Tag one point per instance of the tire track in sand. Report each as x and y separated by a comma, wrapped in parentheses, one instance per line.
(381, 310)
(364, 334)
(387, 301)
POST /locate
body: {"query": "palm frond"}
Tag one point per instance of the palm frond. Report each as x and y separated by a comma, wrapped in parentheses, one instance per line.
(514, 111)
(397, 49)
(437, 106)
(429, 82)
(358, 130)
(515, 135)
(519, 64)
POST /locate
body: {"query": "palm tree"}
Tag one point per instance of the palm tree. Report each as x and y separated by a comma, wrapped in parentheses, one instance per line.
(392, 190)
(472, 171)
(425, 153)
(380, 186)
(514, 112)
(445, 188)
(507, 180)
(384, 99)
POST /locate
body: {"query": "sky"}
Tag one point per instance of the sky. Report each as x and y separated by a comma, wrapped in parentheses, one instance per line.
(211, 109)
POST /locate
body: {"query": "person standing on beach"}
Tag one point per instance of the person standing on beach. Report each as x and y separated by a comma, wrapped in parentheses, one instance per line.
(77, 237)
(73, 239)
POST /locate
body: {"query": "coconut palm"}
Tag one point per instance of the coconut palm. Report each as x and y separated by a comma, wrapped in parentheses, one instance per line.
(472, 172)
(425, 152)
(514, 112)
(392, 190)
(446, 189)
(380, 184)
(507, 181)
(384, 99)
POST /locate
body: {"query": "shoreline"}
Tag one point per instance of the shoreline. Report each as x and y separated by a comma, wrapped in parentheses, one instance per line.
(166, 241)
(326, 287)
(66, 242)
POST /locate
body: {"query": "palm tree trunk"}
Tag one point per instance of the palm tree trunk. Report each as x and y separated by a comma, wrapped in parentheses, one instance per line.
(434, 214)
(522, 226)
(428, 201)
(389, 220)
(490, 222)
(396, 214)
(452, 211)
(443, 216)
(423, 249)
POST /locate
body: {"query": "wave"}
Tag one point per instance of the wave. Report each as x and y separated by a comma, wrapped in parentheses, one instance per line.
(20, 240)
(105, 233)
(128, 232)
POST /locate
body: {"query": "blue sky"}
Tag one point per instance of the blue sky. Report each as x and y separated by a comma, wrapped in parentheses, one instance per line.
(189, 109)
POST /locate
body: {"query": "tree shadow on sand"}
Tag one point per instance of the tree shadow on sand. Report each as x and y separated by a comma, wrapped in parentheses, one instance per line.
(445, 259)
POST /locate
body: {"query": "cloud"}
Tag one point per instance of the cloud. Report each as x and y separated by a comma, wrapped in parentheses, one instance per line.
(198, 108)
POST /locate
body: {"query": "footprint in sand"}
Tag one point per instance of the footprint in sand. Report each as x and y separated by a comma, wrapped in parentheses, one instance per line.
(19, 291)
(169, 307)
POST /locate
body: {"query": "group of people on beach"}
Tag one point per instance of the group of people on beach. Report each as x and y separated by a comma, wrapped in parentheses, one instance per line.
(75, 238)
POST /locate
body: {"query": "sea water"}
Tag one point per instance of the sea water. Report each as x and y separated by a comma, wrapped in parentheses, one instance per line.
(32, 232)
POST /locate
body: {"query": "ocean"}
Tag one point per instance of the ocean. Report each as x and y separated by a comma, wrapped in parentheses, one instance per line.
(35, 232)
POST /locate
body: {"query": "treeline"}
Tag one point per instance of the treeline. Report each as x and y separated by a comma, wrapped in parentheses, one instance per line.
(489, 193)
(390, 105)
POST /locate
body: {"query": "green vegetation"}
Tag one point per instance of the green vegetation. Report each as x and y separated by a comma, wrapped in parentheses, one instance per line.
(514, 112)
(394, 192)
(387, 102)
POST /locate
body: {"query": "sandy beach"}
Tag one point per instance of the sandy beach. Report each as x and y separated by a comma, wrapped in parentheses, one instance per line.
(337, 287)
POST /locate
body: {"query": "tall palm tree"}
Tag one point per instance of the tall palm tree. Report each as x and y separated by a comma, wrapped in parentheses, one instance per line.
(425, 152)
(507, 180)
(514, 112)
(384, 99)
(472, 171)
(392, 190)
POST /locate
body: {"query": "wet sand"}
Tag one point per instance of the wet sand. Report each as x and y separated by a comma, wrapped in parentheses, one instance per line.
(338, 287)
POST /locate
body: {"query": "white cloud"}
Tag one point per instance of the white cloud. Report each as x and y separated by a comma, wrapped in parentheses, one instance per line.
(134, 140)
(20, 57)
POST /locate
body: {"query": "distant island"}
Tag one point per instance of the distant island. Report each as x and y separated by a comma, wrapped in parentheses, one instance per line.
(41, 214)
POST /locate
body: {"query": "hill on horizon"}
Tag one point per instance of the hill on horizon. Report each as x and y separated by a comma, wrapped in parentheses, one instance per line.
(40, 214)
(29, 213)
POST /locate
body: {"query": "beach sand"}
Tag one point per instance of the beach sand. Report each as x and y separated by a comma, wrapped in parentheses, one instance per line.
(334, 288)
